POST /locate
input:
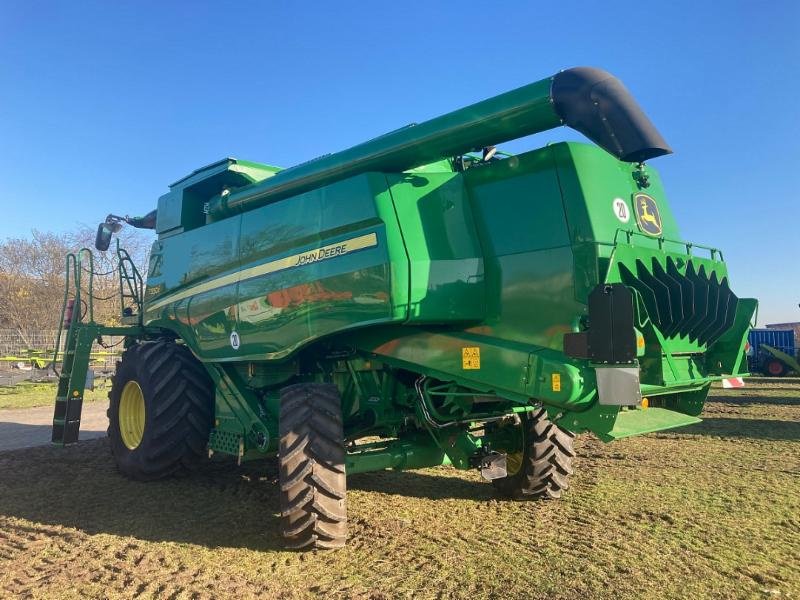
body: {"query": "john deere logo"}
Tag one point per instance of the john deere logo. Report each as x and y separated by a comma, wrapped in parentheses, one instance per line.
(647, 215)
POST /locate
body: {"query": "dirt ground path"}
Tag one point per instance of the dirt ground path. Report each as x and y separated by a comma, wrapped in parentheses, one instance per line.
(29, 427)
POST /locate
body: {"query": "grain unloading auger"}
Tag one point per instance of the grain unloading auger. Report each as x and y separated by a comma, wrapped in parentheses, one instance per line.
(422, 299)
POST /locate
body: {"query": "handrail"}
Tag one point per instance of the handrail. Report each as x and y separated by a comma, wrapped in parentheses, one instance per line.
(134, 281)
(90, 303)
(74, 260)
(629, 233)
(82, 261)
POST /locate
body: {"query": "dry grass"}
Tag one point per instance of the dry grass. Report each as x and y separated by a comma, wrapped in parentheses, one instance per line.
(707, 511)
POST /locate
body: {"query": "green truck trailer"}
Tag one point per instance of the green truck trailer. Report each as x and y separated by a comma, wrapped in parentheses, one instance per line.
(417, 300)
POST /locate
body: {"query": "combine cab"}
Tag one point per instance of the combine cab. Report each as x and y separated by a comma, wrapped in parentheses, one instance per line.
(450, 303)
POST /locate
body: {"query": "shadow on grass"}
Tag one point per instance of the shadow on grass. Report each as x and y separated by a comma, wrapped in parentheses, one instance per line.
(221, 505)
(761, 429)
(415, 484)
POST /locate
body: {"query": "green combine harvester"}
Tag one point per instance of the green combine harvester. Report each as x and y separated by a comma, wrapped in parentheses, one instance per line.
(420, 299)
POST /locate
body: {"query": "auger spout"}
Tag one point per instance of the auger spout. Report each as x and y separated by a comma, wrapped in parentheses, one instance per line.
(589, 100)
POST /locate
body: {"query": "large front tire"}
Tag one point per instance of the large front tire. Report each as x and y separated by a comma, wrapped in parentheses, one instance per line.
(544, 461)
(311, 461)
(160, 412)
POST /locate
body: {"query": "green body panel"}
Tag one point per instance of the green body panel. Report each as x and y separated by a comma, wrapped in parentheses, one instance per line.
(285, 275)
(520, 213)
(446, 278)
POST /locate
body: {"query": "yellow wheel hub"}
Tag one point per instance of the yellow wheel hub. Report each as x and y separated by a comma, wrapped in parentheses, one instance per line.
(514, 463)
(513, 443)
(131, 415)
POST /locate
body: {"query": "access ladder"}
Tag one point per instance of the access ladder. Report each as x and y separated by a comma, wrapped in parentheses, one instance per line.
(77, 319)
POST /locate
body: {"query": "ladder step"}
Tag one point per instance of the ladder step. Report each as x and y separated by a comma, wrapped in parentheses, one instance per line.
(67, 415)
(65, 433)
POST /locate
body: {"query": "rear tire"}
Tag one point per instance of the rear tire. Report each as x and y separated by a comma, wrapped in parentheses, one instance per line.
(311, 461)
(546, 461)
(774, 368)
(178, 405)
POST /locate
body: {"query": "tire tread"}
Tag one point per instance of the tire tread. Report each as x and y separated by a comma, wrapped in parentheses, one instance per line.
(180, 410)
(547, 463)
(311, 459)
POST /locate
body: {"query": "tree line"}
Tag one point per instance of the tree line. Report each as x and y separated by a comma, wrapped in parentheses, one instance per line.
(32, 277)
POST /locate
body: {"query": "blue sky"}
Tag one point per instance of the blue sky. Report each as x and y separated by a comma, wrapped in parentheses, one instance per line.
(102, 105)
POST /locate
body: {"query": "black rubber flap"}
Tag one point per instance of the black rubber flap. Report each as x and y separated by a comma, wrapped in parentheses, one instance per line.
(675, 297)
(646, 292)
(596, 103)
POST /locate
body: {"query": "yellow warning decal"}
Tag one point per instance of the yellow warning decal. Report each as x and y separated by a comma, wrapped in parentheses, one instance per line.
(471, 358)
(555, 382)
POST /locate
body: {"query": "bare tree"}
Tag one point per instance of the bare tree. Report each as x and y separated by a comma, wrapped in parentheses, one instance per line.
(31, 281)
(32, 277)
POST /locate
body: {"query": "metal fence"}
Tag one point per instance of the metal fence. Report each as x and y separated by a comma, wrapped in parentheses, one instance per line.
(16, 347)
(14, 343)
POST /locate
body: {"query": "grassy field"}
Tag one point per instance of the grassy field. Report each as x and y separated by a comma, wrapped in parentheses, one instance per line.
(710, 511)
(27, 394)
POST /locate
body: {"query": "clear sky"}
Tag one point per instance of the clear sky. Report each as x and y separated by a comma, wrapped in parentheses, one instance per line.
(102, 105)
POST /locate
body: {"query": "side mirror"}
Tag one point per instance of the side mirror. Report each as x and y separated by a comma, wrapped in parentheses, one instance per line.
(103, 238)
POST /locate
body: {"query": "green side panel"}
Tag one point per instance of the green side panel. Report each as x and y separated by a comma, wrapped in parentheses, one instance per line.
(283, 275)
(502, 366)
(181, 267)
(593, 183)
(446, 261)
(591, 180)
(520, 217)
(529, 292)
(283, 310)
(727, 356)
